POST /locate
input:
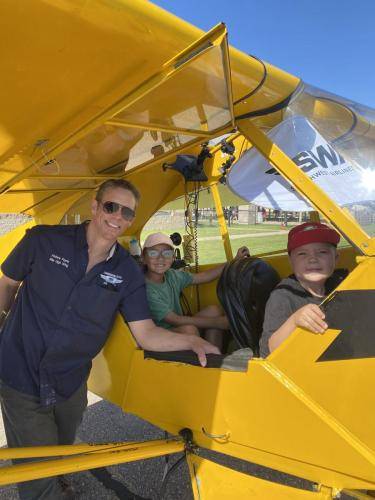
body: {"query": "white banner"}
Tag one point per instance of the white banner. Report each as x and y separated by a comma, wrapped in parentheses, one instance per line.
(254, 179)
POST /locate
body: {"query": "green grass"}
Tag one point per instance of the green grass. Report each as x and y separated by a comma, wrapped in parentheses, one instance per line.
(212, 251)
(370, 229)
(205, 229)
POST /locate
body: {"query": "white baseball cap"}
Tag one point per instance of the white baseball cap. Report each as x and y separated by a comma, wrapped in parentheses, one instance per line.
(157, 239)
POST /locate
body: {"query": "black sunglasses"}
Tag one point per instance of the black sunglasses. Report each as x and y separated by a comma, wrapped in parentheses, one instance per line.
(111, 207)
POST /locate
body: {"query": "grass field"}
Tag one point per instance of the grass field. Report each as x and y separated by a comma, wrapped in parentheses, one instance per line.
(212, 250)
(205, 229)
(370, 229)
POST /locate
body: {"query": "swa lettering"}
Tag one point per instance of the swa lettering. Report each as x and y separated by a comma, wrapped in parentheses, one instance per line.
(319, 157)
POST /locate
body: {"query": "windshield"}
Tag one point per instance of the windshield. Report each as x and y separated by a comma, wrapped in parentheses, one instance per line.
(349, 128)
(332, 140)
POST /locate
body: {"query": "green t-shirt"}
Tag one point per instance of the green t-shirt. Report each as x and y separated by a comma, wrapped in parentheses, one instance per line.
(165, 297)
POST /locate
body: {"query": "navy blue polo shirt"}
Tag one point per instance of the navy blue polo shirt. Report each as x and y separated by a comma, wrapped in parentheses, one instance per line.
(62, 316)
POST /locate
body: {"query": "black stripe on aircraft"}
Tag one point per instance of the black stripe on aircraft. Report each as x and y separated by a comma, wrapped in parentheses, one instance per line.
(352, 312)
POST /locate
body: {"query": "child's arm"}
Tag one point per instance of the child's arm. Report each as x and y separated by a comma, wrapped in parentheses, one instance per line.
(215, 272)
(220, 322)
(310, 317)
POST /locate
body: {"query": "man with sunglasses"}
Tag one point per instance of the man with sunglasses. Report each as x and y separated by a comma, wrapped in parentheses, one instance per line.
(61, 289)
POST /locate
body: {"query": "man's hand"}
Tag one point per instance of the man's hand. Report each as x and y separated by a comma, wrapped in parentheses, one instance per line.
(153, 338)
(201, 347)
(310, 317)
(242, 252)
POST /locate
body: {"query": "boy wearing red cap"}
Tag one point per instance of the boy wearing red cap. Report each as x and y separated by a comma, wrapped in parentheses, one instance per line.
(295, 301)
(164, 286)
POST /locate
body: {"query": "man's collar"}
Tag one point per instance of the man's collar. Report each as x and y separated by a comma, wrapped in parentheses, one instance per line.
(82, 239)
(111, 251)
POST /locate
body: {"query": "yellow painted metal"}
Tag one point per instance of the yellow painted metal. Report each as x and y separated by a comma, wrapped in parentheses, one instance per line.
(214, 165)
(221, 220)
(67, 450)
(35, 192)
(90, 460)
(211, 481)
(292, 416)
(189, 62)
(52, 210)
(47, 216)
(108, 35)
(215, 37)
(44, 190)
(157, 127)
(265, 413)
(281, 443)
(228, 198)
(359, 495)
(74, 177)
(112, 366)
(307, 188)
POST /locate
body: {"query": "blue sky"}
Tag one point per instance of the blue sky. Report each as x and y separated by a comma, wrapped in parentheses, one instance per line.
(328, 43)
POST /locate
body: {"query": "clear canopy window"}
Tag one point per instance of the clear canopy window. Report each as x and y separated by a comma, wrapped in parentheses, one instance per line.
(194, 99)
(332, 141)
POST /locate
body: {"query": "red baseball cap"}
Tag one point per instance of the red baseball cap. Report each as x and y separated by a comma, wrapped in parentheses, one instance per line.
(311, 232)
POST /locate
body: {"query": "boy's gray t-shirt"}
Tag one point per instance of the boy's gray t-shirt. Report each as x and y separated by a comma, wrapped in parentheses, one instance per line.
(286, 299)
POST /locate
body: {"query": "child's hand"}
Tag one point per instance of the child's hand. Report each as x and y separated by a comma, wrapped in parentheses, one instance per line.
(310, 317)
(221, 322)
(242, 252)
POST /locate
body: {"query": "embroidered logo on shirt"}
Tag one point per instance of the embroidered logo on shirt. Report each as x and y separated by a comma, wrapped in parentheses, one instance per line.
(60, 261)
(111, 279)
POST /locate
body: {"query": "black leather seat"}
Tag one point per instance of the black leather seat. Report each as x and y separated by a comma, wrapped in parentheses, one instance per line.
(243, 290)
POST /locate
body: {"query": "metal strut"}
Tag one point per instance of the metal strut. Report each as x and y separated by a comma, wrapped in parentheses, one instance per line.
(190, 447)
(77, 458)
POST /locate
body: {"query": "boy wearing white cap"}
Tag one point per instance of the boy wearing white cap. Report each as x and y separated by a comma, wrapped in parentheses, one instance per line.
(164, 286)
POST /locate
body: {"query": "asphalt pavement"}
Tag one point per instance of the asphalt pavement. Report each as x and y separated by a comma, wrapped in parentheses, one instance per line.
(104, 422)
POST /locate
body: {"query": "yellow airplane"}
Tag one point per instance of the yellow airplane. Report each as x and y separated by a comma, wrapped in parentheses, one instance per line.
(96, 90)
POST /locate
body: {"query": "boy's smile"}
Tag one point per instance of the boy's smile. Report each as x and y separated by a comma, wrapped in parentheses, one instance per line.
(313, 264)
(157, 266)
